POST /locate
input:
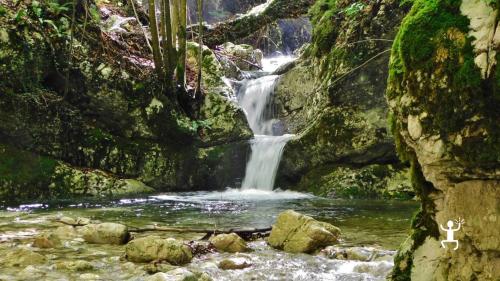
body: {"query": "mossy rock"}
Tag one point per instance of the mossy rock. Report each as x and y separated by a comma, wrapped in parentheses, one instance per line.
(152, 248)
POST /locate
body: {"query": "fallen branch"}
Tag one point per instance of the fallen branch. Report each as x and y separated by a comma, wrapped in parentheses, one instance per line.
(233, 58)
(254, 20)
(246, 234)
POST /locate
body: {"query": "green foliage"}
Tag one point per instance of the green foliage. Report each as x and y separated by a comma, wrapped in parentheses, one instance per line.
(354, 9)
(192, 126)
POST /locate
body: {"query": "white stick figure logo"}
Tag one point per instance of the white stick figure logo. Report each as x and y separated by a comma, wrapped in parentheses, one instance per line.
(450, 231)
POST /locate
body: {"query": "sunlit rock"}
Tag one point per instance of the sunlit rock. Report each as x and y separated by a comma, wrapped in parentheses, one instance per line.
(152, 248)
(231, 243)
(78, 265)
(21, 257)
(297, 233)
(106, 233)
(233, 264)
(47, 240)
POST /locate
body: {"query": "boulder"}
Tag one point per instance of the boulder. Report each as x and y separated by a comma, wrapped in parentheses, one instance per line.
(152, 248)
(66, 232)
(233, 264)
(297, 233)
(47, 240)
(22, 258)
(244, 56)
(106, 233)
(231, 243)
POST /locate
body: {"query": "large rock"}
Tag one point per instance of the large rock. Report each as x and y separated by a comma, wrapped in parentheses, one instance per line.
(297, 233)
(443, 90)
(231, 243)
(245, 56)
(152, 248)
(106, 233)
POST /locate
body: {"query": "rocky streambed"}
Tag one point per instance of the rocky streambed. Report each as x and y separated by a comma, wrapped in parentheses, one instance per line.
(41, 241)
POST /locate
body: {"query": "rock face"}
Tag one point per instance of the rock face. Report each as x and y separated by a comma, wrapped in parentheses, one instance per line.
(333, 98)
(231, 243)
(106, 233)
(105, 128)
(152, 248)
(443, 92)
(297, 233)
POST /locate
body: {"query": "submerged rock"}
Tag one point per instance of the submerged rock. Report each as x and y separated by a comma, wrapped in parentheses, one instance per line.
(297, 233)
(179, 274)
(22, 257)
(232, 264)
(357, 253)
(231, 243)
(152, 248)
(78, 265)
(47, 240)
(106, 233)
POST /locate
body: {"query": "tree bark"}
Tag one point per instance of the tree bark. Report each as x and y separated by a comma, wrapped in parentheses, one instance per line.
(182, 39)
(153, 26)
(247, 24)
(200, 42)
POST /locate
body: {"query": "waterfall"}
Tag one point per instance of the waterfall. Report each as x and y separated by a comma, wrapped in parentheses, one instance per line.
(255, 97)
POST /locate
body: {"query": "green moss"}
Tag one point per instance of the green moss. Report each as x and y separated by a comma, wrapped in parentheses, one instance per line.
(23, 174)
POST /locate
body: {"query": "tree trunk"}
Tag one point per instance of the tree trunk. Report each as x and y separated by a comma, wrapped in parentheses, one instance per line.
(153, 26)
(200, 42)
(168, 59)
(182, 40)
(249, 23)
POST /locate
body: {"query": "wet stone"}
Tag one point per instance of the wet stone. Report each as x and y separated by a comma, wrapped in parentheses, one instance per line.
(233, 264)
(231, 243)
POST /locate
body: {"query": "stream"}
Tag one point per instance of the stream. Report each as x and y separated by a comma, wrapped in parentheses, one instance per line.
(367, 223)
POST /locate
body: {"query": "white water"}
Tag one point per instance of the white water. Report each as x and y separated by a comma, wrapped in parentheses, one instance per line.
(267, 146)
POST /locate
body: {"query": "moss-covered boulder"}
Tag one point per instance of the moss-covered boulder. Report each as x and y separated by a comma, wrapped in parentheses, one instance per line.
(443, 91)
(231, 243)
(370, 181)
(297, 233)
(106, 233)
(152, 248)
(245, 56)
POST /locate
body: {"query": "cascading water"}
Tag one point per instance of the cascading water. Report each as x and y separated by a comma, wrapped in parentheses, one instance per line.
(255, 96)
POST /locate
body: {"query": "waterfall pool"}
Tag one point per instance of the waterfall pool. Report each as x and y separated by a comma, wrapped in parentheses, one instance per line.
(367, 223)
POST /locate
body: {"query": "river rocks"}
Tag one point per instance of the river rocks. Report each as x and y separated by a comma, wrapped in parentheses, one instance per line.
(297, 233)
(78, 265)
(233, 264)
(106, 233)
(231, 243)
(47, 240)
(179, 274)
(21, 257)
(357, 253)
(152, 248)
(66, 232)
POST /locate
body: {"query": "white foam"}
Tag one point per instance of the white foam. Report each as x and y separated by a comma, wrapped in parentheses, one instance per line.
(232, 194)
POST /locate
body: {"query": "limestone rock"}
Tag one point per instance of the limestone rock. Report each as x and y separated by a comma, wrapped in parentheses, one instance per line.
(233, 264)
(297, 233)
(78, 265)
(47, 240)
(179, 274)
(106, 233)
(357, 253)
(231, 243)
(245, 56)
(22, 257)
(152, 248)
